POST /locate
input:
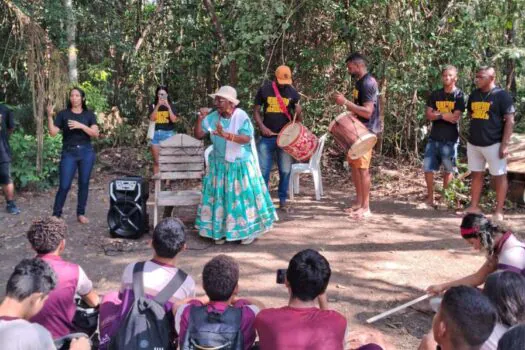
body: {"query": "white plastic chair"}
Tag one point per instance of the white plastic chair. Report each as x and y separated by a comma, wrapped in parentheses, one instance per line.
(313, 167)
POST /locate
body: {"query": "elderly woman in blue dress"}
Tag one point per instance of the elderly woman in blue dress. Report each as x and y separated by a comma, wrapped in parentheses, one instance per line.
(236, 205)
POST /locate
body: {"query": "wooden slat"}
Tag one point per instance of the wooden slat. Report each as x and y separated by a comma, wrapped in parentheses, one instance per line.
(182, 151)
(164, 167)
(180, 198)
(516, 160)
(181, 140)
(181, 159)
(178, 175)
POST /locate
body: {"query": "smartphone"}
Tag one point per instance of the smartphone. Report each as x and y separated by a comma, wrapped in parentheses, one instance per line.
(281, 276)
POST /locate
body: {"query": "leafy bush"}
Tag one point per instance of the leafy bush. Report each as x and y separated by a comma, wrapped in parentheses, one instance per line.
(23, 166)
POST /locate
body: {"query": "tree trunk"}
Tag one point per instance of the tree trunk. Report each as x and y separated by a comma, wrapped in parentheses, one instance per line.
(71, 30)
(510, 34)
(210, 7)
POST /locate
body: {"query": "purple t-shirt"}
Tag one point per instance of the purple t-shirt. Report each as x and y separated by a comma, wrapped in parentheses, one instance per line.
(59, 308)
(247, 321)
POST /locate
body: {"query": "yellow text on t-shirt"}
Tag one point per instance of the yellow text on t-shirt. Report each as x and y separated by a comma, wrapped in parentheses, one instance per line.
(163, 117)
(480, 110)
(273, 104)
(445, 106)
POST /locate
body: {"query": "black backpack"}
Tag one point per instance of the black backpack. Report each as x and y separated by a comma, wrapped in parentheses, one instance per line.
(147, 326)
(213, 330)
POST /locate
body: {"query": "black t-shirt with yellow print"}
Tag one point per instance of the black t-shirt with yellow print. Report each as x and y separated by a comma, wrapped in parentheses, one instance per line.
(163, 121)
(444, 102)
(274, 118)
(486, 111)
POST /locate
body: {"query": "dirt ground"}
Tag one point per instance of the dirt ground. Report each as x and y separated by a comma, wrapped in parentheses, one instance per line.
(376, 264)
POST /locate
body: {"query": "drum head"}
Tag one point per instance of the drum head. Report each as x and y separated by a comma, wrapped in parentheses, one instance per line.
(363, 145)
(288, 134)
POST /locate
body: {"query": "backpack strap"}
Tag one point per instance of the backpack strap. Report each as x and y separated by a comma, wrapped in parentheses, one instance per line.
(170, 289)
(138, 279)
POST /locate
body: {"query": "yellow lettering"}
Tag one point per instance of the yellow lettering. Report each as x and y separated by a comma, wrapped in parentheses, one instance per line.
(355, 95)
(273, 104)
(480, 110)
(445, 106)
(163, 117)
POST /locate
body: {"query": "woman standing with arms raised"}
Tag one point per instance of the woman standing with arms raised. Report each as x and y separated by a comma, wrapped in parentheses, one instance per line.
(78, 126)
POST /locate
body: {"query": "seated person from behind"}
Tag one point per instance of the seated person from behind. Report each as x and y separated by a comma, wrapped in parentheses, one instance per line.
(47, 237)
(27, 291)
(220, 317)
(169, 239)
(302, 325)
(464, 321)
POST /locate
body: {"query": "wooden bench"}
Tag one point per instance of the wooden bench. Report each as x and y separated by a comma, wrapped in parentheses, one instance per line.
(181, 157)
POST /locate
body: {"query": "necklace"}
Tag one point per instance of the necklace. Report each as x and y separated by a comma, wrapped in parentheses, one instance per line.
(483, 99)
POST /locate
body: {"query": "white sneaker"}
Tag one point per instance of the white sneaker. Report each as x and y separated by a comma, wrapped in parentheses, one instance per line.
(220, 241)
(248, 241)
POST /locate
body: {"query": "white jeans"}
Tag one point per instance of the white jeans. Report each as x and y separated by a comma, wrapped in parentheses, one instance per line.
(478, 157)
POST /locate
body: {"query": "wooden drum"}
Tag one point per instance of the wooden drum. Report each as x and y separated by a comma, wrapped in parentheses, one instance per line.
(352, 135)
(296, 140)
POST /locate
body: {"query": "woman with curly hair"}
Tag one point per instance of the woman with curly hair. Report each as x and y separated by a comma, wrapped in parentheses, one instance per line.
(504, 251)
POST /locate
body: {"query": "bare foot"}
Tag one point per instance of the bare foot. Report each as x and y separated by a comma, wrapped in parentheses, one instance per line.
(497, 217)
(473, 210)
(354, 207)
(82, 219)
(361, 214)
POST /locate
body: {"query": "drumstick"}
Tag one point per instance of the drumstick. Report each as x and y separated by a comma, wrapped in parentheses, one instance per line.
(397, 308)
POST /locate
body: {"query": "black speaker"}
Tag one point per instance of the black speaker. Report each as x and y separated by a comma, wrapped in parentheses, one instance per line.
(127, 215)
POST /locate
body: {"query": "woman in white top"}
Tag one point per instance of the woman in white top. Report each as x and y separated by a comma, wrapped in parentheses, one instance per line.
(504, 251)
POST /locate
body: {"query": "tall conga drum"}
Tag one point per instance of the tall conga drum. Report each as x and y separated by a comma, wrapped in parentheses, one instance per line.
(351, 135)
(296, 140)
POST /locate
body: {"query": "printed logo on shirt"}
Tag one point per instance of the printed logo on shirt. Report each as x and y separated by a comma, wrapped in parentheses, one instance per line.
(355, 95)
(445, 106)
(480, 110)
(163, 117)
(273, 104)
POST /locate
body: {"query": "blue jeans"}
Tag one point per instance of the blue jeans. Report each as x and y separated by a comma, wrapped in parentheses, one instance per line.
(73, 157)
(161, 135)
(439, 153)
(267, 148)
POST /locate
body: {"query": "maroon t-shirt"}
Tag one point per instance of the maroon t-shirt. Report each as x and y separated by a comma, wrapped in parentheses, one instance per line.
(300, 328)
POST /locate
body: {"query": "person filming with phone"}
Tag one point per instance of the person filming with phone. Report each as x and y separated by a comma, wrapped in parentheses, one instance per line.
(306, 322)
(162, 113)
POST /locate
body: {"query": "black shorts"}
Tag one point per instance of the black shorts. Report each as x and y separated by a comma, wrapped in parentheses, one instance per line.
(5, 173)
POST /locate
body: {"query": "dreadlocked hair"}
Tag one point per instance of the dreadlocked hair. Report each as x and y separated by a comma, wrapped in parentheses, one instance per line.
(45, 234)
(486, 230)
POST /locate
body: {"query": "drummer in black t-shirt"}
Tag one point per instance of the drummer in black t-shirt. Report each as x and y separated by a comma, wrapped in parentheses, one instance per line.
(272, 123)
(163, 113)
(444, 109)
(491, 111)
(78, 126)
(365, 107)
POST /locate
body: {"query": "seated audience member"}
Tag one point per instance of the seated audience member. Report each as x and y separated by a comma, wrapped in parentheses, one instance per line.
(27, 289)
(504, 251)
(513, 339)
(221, 317)
(465, 319)
(47, 237)
(301, 324)
(169, 239)
(506, 291)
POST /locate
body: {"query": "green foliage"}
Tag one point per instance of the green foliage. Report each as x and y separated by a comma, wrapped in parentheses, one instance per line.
(95, 99)
(23, 168)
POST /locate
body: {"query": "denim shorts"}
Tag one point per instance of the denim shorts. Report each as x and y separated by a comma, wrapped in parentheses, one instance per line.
(438, 153)
(161, 135)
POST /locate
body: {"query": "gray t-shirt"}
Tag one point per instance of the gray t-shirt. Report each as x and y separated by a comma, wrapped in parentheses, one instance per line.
(19, 334)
